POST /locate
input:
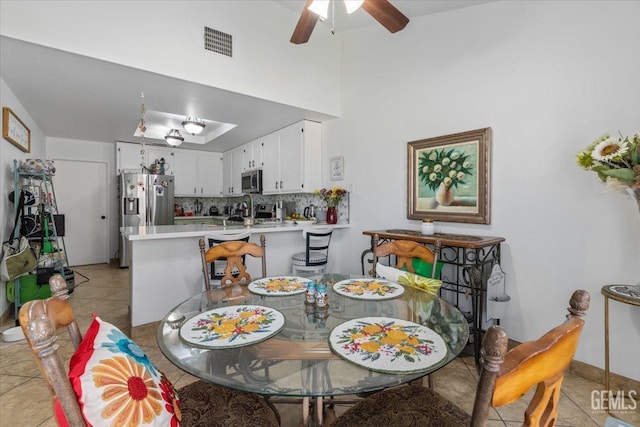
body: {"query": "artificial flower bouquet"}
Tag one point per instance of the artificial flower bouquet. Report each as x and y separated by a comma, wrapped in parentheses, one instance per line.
(332, 196)
(616, 160)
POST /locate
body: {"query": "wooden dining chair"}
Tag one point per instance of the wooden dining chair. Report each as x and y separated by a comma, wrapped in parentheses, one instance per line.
(233, 252)
(218, 267)
(505, 378)
(111, 381)
(405, 251)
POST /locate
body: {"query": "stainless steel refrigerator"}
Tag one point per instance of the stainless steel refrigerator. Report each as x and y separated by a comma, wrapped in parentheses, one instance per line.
(144, 200)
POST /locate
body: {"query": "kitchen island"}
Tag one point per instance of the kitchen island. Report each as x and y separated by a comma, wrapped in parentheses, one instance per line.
(165, 266)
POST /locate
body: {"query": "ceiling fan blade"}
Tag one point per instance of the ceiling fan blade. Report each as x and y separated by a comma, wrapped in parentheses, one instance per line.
(305, 26)
(386, 14)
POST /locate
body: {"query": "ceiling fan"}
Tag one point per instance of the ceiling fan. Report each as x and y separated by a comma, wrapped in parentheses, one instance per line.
(381, 10)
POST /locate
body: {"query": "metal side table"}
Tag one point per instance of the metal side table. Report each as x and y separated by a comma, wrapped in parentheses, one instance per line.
(626, 294)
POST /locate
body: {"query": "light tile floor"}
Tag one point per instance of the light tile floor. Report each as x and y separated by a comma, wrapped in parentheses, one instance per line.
(24, 398)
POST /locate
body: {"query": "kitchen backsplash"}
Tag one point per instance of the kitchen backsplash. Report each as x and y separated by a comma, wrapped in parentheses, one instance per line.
(301, 201)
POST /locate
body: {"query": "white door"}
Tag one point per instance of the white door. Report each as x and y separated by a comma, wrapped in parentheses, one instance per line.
(82, 196)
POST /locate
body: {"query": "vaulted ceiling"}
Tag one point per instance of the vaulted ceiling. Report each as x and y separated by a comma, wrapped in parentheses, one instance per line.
(77, 97)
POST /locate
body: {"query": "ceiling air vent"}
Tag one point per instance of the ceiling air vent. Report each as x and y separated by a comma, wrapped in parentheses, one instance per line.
(217, 41)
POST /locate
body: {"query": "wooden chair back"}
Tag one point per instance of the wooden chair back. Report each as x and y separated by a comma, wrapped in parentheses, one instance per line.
(233, 251)
(405, 251)
(219, 265)
(40, 319)
(507, 376)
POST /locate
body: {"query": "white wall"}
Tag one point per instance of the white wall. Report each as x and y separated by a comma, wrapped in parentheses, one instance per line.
(166, 37)
(9, 152)
(548, 78)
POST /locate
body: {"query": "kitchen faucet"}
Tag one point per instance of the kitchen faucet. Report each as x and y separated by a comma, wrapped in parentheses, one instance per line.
(251, 213)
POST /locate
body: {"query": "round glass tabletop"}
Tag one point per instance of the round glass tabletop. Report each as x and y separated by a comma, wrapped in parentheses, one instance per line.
(298, 360)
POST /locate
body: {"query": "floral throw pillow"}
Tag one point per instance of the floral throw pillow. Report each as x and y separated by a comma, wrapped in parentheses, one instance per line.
(116, 383)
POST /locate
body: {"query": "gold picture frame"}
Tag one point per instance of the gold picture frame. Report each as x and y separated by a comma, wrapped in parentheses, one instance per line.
(15, 131)
(448, 177)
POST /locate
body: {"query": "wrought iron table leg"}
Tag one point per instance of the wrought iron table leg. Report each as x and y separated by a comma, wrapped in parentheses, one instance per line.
(362, 260)
(607, 372)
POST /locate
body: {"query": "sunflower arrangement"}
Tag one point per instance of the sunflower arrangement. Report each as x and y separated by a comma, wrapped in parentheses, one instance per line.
(616, 160)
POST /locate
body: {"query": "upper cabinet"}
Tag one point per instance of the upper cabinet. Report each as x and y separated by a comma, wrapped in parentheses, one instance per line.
(232, 165)
(198, 173)
(132, 157)
(252, 155)
(129, 157)
(210, 173)
(161, 155)
(292, 159)
(185, 171)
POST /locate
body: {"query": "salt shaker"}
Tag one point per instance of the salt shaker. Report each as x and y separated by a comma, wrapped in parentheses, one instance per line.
(310, 297)
(321, 295)
(427, 227)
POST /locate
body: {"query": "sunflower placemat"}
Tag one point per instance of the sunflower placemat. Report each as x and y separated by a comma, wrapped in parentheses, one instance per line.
(278, 286)
(369, 289)
(388, 345)
(233, 326)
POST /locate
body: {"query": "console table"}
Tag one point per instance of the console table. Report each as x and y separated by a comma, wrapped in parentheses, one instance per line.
(461, 252)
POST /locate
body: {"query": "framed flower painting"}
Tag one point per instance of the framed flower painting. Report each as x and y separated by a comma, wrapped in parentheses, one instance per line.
(449, 177)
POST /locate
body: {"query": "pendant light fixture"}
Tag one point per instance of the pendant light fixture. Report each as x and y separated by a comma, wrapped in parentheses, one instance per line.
(174, 138)
(193, 125)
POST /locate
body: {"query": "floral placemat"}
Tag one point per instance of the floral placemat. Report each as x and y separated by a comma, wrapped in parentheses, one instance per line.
(233, 326)
(370, 289)
(388, 345)
(274, 286)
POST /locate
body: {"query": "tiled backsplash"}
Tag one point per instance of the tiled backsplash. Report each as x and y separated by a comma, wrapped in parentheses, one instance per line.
(301, 201)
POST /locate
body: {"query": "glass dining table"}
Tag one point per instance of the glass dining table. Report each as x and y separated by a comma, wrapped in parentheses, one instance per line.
(302, 359)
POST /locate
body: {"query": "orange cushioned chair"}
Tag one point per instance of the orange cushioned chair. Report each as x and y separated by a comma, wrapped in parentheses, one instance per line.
(505, 378)
(111, 381)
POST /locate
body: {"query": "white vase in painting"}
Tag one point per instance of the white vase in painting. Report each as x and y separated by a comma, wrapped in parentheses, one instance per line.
(444, 195)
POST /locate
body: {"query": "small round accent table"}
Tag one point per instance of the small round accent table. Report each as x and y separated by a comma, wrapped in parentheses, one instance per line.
(626, 294)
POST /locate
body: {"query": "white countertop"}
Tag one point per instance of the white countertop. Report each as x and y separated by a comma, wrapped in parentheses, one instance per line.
(197, 230)
(202, 217)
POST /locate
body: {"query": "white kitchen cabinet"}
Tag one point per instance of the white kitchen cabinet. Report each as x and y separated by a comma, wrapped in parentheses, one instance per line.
(156, 153)
(292, 159)
(209, 174)
(252, 155)
(129, 157)
(271, 160)
(232, 170)
(198, 173)
(185, 171)
(236, 176)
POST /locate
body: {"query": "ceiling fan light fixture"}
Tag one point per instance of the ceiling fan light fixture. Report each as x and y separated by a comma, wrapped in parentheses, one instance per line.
(193, 125)
(174, 138)
(352, 5)
(320, 8)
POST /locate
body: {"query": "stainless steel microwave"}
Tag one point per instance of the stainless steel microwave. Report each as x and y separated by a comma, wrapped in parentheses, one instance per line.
(252, 181)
